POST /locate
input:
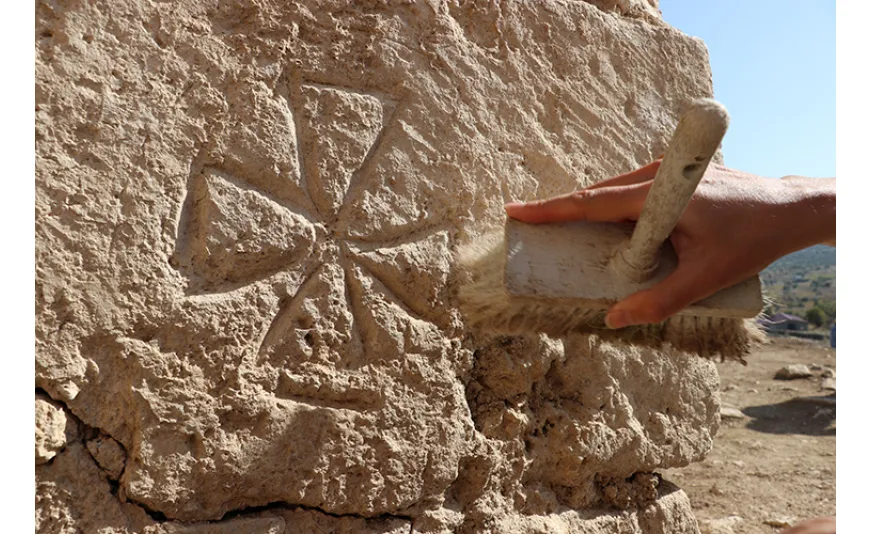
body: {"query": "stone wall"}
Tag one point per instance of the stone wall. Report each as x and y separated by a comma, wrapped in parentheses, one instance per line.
(246, 215)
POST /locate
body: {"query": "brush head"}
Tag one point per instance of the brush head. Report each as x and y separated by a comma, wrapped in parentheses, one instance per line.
(489, 308)
(573, 263)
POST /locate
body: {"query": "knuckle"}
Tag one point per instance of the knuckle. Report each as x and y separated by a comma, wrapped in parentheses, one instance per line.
(588, 194)
(579, 198)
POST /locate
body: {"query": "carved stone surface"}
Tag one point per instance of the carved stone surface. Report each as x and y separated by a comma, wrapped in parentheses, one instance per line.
(72, 496)
(246, 215)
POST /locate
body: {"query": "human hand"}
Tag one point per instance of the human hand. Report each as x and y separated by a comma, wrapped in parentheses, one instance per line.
(735, 225)
(818, 525)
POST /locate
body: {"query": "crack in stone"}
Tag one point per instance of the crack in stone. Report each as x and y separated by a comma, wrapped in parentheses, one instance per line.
(160, 517)
(283, 505)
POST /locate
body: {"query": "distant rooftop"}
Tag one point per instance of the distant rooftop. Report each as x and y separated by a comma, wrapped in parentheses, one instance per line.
(783, 317)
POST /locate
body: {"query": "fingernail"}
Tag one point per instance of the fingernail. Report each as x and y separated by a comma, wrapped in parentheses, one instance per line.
(618, 319)
(512, 207)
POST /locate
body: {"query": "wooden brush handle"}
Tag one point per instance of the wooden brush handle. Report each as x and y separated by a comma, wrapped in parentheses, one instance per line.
(695, 141)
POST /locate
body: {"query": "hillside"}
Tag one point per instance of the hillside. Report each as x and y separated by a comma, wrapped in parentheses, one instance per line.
(802, 281)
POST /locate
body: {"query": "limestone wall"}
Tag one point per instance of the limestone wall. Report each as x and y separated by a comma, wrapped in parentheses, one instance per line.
(246, 215)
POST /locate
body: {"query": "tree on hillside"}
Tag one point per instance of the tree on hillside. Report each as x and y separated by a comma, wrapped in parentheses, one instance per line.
(816, 316)
(829, 307)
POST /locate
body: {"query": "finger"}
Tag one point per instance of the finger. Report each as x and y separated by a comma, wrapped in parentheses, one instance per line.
(604, 205)
(643, 174)
(565, 208)
(682, 288)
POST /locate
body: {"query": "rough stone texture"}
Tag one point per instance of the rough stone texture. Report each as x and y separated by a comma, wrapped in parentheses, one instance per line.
(574, 422)
(108, 454)
(671, 513)
(246, 215)
(647, 10)
(300, 521)
(53, 429)
(73, 496)
(725, 525)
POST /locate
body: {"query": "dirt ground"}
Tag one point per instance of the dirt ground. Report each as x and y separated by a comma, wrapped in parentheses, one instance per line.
(778, 463)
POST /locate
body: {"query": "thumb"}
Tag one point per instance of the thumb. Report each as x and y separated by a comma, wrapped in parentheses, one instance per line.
(681, 289)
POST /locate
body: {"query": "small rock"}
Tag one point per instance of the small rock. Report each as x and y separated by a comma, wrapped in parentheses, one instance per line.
(753, 390)
(829, 384)
(827, 372)
(788, 388)
(724, 525)
(781, 522)
(730, 387)
(109, 455)
(793, 371)
(68, 391)
(53, 429)
(729, 412)
(815, 367)
(739, 463)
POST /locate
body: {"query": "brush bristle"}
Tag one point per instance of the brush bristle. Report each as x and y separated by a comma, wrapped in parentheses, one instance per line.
(487, 307)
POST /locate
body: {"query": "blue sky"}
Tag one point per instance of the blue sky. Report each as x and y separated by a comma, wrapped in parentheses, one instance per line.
(774, 68)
